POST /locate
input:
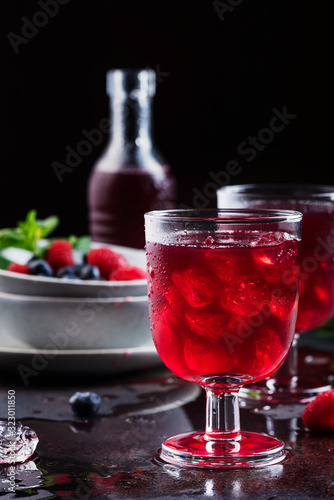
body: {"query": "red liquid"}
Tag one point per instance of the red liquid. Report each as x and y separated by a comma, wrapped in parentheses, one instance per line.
(316, 289)
(219, 311)
(118, 201)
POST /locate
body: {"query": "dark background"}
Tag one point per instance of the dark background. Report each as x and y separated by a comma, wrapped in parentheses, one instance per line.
(220, 76)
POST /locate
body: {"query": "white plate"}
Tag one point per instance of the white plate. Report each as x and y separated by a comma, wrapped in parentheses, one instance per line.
(31, 363)
(75, 323)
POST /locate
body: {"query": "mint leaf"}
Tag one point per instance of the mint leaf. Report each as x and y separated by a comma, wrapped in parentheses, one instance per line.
(28, 233)
(30, 230)
(11, 238)
(4, 263)
(33, 230)
(48, 225)
(82, 243)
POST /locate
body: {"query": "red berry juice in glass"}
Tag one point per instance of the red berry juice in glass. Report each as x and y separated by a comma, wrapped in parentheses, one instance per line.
(220, 309)
(316, 287)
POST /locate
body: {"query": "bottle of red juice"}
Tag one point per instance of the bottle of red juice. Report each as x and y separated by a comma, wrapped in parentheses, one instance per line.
(131, 177)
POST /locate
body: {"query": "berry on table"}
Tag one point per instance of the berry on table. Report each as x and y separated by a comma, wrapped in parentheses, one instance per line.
(127, 273)
(85, 404)
(18, 268)
(60, 254)
(106, 259)
(318, 415)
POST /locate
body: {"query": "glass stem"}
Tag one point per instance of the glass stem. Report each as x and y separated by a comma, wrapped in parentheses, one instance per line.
(289, 370)
(222, 415)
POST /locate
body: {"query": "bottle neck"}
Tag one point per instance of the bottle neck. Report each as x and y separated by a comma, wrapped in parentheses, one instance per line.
(131, 122)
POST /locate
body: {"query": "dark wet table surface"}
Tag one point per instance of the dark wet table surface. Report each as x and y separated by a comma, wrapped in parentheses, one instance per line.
(113, 455)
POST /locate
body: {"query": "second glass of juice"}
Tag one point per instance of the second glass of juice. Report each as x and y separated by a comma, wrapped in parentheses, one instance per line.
(316, 276)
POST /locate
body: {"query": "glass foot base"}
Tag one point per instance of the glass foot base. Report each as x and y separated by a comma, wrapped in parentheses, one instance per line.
(283, 390)
(194, 450)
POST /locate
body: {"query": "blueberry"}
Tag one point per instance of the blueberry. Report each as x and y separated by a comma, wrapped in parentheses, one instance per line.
(39, 267)
(69, 272)
(89, 272)
(85, 404)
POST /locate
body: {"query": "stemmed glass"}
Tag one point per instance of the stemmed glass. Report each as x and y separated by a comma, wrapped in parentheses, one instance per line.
(316, 288)
(219, 322)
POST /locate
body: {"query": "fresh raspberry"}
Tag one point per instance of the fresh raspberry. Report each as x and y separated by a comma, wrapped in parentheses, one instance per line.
(318, 415)
(18, 268)
(106, 259)
(127, 273)
(60, 254)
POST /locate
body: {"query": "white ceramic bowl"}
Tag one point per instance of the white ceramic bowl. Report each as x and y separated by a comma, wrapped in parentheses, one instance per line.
(24, 284)
(57, 323)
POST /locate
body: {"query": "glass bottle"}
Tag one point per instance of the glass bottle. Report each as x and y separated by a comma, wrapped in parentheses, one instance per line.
(131, 177)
